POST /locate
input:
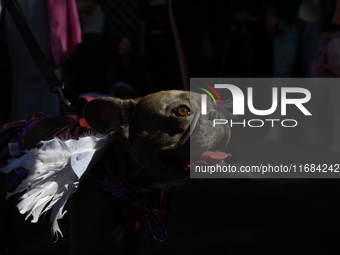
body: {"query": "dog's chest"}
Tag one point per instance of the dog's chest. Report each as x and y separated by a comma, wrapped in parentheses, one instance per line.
(137, 211)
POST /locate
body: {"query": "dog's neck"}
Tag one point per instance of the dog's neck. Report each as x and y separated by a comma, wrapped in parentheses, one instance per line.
(121, 164)
(138, 174)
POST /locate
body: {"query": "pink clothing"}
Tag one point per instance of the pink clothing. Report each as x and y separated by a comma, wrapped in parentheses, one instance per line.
(65, 31)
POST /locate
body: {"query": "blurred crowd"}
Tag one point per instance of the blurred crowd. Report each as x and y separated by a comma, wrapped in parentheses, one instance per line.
(177, 40)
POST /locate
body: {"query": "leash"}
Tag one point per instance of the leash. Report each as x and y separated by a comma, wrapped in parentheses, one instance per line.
(38, 55)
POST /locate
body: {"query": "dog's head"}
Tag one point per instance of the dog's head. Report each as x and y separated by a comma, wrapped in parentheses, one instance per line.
(153, 133)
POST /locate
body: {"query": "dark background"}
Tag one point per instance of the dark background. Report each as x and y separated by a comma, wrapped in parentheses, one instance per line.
(242, 216)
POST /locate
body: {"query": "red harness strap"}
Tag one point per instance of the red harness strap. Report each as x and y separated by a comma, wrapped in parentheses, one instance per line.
(82, 121)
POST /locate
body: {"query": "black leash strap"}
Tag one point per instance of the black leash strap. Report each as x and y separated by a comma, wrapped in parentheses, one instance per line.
(38, 55)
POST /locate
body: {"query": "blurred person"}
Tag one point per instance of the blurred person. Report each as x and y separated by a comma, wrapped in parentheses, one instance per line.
(92, 20)
(84, 70)
(250, 46)
(296, 26)
(128, 69)
(333, 55)
(327, 64)
(54, 23)
(55, 26)
(30, 91)
(158, 45)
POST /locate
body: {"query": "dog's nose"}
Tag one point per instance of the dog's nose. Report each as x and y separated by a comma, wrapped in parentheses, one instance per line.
(216, 115)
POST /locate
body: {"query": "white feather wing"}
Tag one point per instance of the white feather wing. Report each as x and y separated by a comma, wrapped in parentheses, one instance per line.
(54, 171)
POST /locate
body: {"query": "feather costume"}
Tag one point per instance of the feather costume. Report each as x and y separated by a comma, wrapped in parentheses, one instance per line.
(54, 171)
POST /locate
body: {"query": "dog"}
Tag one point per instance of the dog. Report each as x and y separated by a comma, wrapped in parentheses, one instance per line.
(149, 152)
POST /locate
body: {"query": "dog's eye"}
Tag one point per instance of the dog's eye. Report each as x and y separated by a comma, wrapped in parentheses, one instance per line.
(182, 111)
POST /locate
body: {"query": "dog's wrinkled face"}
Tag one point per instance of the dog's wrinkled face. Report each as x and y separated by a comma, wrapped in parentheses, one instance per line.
(155, 131)
(207, 141)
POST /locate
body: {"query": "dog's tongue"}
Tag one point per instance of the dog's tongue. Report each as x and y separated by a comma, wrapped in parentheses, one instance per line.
(215, 155)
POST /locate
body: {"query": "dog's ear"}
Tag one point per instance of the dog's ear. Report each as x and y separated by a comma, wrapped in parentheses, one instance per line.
(108, 114)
